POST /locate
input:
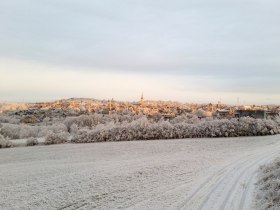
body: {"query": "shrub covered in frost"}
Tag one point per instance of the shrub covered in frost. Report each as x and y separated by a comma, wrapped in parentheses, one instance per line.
(58, 128)
(143, 129)
(56, 138)
(4, 119)
(10, 130)
(4, 143)
(268, 186)
(74, 129)
(128, 126)
(186, 118)
(21, 131)
(9, 119)
(31, 141)
(93, 120)
(277, 120)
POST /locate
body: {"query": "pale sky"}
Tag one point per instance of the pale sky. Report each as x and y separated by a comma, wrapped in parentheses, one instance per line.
(182, 50)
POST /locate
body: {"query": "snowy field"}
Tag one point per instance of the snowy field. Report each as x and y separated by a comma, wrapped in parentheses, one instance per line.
(161, 174)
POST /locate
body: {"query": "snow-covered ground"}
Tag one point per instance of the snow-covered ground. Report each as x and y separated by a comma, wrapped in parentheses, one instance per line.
(163, 174)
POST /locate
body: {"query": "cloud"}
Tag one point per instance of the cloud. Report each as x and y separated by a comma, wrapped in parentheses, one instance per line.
(233, 45)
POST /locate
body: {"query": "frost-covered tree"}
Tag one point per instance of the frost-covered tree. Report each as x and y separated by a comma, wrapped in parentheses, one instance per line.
(74, 129)
(4, 143)
(56, 138)
(22, 131)
(32, 141)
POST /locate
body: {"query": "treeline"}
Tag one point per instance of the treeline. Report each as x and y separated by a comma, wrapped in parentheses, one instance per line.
(128, 127)
(143, 129)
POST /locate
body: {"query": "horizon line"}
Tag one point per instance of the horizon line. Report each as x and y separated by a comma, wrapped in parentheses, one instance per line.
(126, 101)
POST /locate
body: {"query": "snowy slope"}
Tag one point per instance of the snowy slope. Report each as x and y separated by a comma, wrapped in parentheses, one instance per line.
(164, 174)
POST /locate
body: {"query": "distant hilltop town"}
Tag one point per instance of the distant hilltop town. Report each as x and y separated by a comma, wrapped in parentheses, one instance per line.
(37, 112)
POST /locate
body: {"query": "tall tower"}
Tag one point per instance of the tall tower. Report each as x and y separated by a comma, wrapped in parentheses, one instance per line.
(142, 99)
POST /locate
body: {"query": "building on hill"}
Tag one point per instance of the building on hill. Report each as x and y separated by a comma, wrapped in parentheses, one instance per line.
(257, 114)
(272, 114)
(223, 113)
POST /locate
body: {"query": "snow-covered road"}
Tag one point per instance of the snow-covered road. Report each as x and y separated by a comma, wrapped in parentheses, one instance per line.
(164, 174)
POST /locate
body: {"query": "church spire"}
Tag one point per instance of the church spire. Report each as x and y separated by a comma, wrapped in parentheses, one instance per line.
(142, 99)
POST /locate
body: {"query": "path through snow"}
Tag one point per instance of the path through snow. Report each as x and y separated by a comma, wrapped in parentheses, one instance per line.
(164, 174)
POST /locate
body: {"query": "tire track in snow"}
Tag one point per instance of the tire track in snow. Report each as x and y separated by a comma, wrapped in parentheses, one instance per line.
(221, 182)
(200, 203)
(246, 191)
(238, 179)
(249, 179)
(200, 198)
(216, 177)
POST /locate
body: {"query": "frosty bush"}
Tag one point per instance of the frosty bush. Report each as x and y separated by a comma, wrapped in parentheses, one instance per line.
(277, 120)
(31, 141)
(93, 120)
(187, 118)
(143, 129)
(268, 186)
(58, 128)
(9, 119)
(56, 138)
(117, 127)
(22, 131)
(74, 129)
(4, 119)
(4, 143)
(14, 131)
(9, 130)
